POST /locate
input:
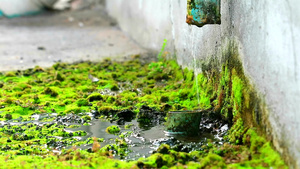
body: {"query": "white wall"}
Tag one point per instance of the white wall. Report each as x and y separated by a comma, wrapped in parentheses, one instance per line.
(268, 34)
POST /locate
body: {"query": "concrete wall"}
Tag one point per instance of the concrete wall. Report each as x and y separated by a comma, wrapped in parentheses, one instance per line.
(268, 36)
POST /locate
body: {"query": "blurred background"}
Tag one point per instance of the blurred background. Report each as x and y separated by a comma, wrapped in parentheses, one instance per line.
(43, 32)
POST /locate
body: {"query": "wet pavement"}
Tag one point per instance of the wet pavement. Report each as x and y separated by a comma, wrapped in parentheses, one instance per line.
(68, 36)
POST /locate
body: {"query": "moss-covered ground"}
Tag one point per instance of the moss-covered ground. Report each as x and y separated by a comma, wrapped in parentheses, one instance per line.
(110, 87)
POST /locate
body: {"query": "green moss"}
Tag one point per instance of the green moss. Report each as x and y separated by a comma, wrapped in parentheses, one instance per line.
(85, 88)
(58, 76)
(237, 93)
(165, 107)
(164, 85)
(236, 132)
(51, 91)
(8, 116)
(110, 85)
(164, 149)
(128, 126)
(153, 161)
(114, 87)
(10, 74)
(156, 71)
(37, 69)
(73, 109)
(203, 91)
(68, 101)
(82, 102)
(95, 97)
(110, 99)
(9, 100)
(212, 161)
(113, 129)
(149, 99)
(164, 99)
(21, 110)
(87, 118)
(261, 153)
(106, 110)
(21, 87)
(59, 66)
(188, 75)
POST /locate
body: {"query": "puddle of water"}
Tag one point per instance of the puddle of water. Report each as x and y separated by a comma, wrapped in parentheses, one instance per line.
(142, 141)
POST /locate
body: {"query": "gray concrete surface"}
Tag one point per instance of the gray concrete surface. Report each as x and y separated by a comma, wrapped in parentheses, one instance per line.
(62, 36)
(268, 37)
